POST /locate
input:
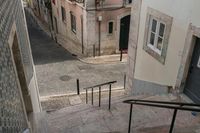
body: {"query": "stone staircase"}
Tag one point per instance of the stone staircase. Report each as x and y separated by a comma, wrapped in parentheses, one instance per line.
(85, 118)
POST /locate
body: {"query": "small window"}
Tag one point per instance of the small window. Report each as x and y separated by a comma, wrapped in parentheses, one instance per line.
(73, 23)
(156, 35)
(63, 14)
(129, 1)
(110, 27)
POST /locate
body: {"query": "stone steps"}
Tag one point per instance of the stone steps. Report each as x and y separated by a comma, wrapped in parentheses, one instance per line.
(93, 119)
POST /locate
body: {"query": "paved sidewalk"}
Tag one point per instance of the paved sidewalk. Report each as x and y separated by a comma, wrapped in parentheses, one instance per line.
(105, 59)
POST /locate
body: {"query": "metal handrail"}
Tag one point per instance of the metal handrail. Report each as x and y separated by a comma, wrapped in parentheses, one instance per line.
(162, 104)
(99, 86)
(111, 82)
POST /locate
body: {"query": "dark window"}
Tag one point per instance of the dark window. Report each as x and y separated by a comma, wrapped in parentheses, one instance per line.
(73, 23)
(129, 1)
(63, 13)
(110, 27)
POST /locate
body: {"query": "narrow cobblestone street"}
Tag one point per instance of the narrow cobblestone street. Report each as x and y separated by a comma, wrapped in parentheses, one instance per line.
(57, 70)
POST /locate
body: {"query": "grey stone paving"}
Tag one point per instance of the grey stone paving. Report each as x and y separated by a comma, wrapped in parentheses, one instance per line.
(57, 70)
(100, 120)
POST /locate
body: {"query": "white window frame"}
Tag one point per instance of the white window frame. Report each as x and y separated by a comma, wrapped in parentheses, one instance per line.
(156, 33)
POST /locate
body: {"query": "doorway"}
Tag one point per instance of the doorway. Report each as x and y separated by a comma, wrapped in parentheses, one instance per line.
(21, 75)
(192, 86)
(124, 32)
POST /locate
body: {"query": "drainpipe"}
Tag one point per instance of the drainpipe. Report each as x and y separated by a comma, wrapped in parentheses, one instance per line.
(38, 6)
(99, 20)
(82, 34)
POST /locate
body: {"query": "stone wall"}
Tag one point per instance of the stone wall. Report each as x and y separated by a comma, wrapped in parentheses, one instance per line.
(12, 116)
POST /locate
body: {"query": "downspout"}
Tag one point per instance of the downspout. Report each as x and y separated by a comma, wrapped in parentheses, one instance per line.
(82, 34)
(99, 38)
(38, 7)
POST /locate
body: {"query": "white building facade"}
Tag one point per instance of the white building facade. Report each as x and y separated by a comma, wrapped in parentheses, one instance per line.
(164, 47)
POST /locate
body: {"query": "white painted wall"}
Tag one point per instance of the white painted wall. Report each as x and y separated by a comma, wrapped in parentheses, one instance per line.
(183, 12)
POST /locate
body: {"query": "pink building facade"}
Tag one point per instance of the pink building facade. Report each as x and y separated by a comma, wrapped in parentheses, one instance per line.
(92, 26)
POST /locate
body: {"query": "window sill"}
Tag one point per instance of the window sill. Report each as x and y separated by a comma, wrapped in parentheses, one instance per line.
(73, 31)
(159, 56)
(154, 49)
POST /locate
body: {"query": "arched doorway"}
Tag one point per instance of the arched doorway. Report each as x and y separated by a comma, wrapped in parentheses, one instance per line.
(124, 32)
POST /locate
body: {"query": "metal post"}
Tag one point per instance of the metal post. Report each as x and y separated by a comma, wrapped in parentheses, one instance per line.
(99, 38)
(92, 96)
(99, 96)
(109, 96)
(124, 81)
(121, 55)
(86, 96)
(82, 35)
(78, 89)
(94, 53)
(130, 118)
(173, 120)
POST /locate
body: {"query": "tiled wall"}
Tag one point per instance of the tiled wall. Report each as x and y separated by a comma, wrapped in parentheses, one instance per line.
(12, 117)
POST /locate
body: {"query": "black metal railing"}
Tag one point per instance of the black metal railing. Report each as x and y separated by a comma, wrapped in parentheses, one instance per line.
(160, 104)
(99, 87)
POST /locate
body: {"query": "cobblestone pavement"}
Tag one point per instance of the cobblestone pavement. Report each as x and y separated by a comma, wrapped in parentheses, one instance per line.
(57, 70)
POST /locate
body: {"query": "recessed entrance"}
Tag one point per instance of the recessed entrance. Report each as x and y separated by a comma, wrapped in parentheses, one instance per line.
(192, 86)
(21, 75)
(124, 32)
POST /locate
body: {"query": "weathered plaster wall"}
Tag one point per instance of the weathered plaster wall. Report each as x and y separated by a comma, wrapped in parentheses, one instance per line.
(148, 68)
(109, 42)
(64, 27)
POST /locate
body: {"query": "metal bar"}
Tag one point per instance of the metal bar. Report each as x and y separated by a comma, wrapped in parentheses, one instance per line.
(78, 88)
(99, 96)
(94, 51)
(162, 102)
(124, 81)
(112, 82)
(130, 118)
(173, 121)
(86, 96)
(166, 106)
(92, 96)
(99, 38)
(121, 55)
(110, 95)
(82, 42)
